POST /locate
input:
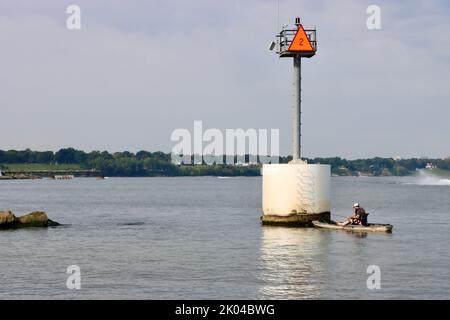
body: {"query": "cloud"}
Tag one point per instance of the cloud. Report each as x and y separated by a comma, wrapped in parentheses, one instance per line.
(137, 71)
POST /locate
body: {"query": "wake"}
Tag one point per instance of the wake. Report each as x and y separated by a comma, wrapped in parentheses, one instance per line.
(427, 179)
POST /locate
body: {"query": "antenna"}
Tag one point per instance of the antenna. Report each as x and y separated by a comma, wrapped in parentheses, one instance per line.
(278, 16)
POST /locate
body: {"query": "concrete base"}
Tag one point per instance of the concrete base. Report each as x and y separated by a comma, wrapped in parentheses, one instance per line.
(295, 194)
(294, 220)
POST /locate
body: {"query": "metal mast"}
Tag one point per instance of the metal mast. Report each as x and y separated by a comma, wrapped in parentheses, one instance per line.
(297, 109)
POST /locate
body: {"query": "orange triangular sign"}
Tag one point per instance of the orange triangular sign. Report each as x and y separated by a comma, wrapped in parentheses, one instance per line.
(301, 42)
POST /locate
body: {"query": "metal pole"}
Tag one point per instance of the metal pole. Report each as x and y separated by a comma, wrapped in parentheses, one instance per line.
(296, 110)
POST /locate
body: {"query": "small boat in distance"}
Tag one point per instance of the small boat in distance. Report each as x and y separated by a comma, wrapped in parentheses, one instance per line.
(371, 227)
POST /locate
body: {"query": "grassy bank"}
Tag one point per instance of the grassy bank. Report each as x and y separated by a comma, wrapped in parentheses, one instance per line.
(197, 170)
(33, 167)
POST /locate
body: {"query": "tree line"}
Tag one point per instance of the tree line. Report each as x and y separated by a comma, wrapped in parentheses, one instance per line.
(380, 166)
(145, 163)
(125, 164)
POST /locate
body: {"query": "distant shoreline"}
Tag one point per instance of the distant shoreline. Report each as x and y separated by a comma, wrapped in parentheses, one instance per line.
(201, 171)
(28, 164)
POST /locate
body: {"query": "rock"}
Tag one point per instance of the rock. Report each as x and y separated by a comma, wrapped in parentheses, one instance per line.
(35, 219)
(51, 223)
(7, 219)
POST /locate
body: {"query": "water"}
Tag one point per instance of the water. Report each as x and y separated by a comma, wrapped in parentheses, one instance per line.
(200, 238)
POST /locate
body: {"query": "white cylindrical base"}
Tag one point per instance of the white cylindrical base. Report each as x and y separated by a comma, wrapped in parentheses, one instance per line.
(295, 190)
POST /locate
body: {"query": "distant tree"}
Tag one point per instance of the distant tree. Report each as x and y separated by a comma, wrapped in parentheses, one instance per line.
(11, 156)
(141, 155)
(124, 154)
(70, 155)
(44, 157)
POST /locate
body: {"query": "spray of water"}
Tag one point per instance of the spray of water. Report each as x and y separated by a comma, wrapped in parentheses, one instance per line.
(427, 178)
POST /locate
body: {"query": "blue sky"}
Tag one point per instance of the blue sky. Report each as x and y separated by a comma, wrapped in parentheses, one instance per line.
(137, 70)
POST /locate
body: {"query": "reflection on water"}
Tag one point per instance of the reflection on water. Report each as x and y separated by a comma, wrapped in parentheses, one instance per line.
(360, 235)
(293, 262)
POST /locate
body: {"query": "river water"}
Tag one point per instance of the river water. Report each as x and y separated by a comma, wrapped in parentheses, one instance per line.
(200, 238)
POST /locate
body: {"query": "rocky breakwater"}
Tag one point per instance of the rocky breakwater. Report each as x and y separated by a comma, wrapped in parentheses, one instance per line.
(18, 176)
(35, 219)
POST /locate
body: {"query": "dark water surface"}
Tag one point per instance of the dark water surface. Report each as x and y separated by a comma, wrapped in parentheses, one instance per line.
(200, 238)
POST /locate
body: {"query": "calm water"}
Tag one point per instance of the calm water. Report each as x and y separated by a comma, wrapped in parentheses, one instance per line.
(200, 238)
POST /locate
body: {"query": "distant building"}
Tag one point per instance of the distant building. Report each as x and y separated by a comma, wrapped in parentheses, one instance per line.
(397, 158)
(430, 165)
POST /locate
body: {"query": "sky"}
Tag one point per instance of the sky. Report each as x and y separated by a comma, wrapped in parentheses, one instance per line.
(138, 70)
